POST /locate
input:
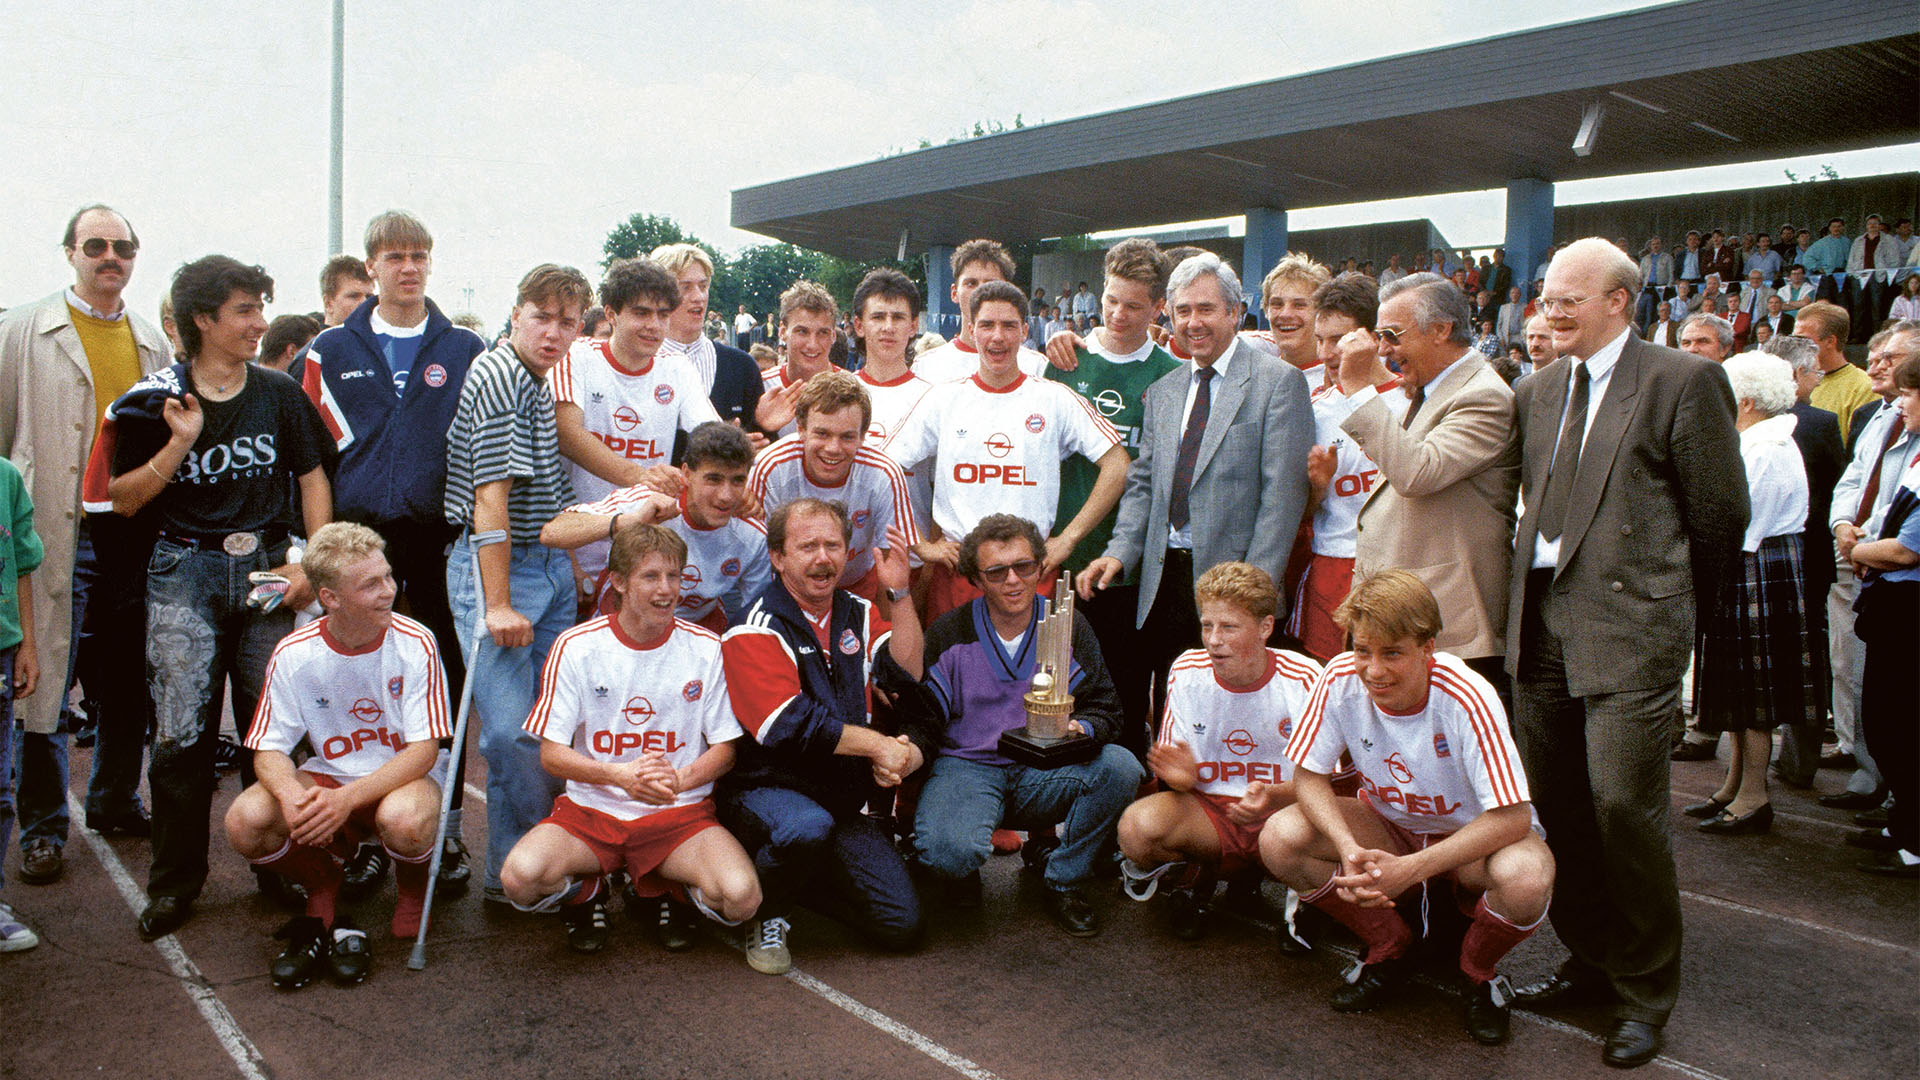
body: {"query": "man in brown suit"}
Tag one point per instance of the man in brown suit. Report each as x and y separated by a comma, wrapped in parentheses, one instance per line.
(1636, 502)
(1451, 467)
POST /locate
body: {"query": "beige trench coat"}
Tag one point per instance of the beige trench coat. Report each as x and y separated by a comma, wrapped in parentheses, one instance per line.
(47, 424)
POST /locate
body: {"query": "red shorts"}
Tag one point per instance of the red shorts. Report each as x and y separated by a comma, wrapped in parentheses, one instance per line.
(640, 845)
(1324, 586)
(947, 590)
(1402, 842)
(1239, 844)
(360, 825)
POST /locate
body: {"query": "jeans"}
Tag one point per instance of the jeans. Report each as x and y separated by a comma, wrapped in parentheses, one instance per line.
(199, 632)
(964, 801)
(843, 866)
(6, 757)
(110, 624)
(506, 682)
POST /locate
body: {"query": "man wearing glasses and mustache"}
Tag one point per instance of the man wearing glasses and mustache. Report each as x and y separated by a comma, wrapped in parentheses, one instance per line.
(62, 360)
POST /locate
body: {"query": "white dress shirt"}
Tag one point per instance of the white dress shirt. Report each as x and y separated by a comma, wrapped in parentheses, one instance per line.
(1183, 538)
(1546, 553)
(1776, 481)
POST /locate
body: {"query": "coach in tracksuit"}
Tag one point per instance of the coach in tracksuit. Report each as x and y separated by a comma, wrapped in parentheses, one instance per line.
(386, 383)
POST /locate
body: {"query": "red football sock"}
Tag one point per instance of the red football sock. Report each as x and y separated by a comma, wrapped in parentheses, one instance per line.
(313, 869)
(1384, 933)
(410, 879)
(1491, 937)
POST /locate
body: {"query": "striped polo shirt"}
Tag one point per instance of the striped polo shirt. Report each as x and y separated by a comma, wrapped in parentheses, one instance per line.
(505, 429)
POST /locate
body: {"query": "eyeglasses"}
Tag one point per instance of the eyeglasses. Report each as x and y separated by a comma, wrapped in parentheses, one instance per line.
(94, 247)
(1389, 334)
(1026, 568)
(1561, 305)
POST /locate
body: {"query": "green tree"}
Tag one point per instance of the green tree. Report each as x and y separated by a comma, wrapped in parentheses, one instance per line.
(642, 233)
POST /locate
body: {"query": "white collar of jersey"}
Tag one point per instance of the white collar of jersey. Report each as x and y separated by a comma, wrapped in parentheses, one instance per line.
(383, 327)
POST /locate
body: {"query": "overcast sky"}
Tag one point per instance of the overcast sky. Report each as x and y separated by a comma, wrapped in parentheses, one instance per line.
(523, 132)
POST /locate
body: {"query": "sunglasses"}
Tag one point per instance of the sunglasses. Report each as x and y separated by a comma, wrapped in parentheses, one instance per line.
(1026, 568)
(1389, 334)
(94, 247)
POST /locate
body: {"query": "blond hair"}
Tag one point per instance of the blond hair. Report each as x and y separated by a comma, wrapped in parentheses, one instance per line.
(829, 392)
(1295, 269)
(333, 548)
(1248, 588)
(1390, 606)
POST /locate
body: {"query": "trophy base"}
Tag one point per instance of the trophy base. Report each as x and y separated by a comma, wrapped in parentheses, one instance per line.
(1036, 752)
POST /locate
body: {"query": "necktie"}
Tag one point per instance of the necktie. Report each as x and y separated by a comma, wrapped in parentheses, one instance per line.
(1177, 511)
(1566, 458)
(1872, 490)
(1419, 399)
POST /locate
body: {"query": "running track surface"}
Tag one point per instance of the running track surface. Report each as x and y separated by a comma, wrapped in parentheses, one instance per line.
(1796, 966)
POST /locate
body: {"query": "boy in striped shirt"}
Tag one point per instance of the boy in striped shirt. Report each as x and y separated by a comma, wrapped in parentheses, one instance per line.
(1442, 794)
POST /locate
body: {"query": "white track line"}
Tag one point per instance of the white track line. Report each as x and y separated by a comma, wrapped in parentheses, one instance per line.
(1804, 924)
(226, 1029)
(961, 1065)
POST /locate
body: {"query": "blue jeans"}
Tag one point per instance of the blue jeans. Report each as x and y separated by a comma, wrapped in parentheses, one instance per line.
(844, 867)
(505, 684)
(6, 757)
(965, 801)
(200, 633)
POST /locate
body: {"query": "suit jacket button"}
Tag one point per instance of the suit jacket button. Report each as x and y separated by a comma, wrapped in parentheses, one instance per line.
(1626, 530)
(1617, 586)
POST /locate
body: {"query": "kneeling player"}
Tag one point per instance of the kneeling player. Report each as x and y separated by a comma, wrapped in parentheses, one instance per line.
(633, 715)
(1230, 708)
(363, 688)
(1441, 794)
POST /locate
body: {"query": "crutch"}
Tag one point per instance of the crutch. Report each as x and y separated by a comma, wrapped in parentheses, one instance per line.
(475, 541)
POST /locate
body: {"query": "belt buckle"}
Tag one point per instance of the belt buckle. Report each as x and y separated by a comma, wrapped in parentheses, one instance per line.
(241, 543)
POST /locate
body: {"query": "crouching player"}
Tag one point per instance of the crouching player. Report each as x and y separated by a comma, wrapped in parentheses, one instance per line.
(633, 715)
(363, 688)
(1230, 708)
(1441, 795)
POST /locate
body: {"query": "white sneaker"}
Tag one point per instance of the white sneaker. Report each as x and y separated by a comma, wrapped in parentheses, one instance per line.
(15, 936)
(767, 947)
(1141, 883)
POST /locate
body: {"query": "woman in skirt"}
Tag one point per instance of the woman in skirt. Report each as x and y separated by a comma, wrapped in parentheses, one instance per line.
(1752, 661)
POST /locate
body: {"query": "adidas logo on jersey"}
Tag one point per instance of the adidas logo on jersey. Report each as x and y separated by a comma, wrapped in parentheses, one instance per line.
(600, 691)
(320, 703)
(596, 397)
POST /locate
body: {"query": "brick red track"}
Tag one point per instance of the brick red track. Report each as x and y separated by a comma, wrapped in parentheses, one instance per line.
(1796, 966)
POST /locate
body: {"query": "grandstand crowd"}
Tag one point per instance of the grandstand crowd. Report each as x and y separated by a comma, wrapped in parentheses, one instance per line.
(1412, 595)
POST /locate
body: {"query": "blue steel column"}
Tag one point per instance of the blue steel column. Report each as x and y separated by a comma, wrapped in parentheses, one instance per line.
(1265, 246)
(1529, 226)
(943, 315)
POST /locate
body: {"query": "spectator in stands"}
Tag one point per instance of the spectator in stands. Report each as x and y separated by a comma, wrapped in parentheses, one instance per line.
(1773, 316)
(1540, 350)
(1870, 264)
(1709, 305)
(1511, 323)
(1514, 365)
(1762, 334)
(1827, 255)
(1690, 264)
(1685, 300)
(1715, 289)
(1086, 309)
(1656, 281)
(1486, 342)
(1719, 258)
(764, 357)
(1903, 240)
(1707, 336)
(1788, 247)
(1498, 277)
(1749, 671)
(1843, 387)
(1907, 304)
(1762, 257)
(1798, 292)
(1394, 271)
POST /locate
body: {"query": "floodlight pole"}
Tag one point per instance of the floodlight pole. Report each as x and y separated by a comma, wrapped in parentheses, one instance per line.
(334, 170)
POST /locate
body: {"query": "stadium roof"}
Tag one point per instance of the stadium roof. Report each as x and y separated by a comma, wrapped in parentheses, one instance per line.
(1704, 83)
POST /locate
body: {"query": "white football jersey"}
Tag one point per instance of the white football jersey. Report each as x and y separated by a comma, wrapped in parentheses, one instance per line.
(726, 566)
(775, 378)
(958, 360)
(1237, 735)
(636, 416)
(1429, 772)
(615, 699)
(1354, 473)
(999, 451)
(874, 494)
(357, 709)
(891, 403)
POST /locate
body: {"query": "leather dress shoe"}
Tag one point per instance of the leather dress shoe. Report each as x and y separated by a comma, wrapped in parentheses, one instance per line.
(1489, 1012)
(1564, 988)
(127, 823)
(1377, 983)
(1709, 809)
(1889, 864)
(1853, 800)
(1070, 910)
(1872, 819)
(1872, 840)
(1757, 820)
(1688, 750)
(164, 915)
(1631, 1043)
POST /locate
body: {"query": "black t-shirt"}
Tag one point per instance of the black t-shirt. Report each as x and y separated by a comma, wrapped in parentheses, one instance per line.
(238, 476)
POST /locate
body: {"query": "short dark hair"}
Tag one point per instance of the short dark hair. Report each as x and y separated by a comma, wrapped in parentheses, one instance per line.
(987, 251)
(1354, 295)
(1003, 291)
(203, 285)
(590, 322)
(636, 541)
(628, 280)
(285, 330)
(778, 521)
(997, 528)
(1141, 261)
(72, 235)
(339, 269)
(720, 443)
(889, 283)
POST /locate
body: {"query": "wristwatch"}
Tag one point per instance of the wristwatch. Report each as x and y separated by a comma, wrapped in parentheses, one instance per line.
(894, 596)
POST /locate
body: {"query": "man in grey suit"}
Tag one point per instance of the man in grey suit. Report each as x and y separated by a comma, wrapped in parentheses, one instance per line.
(1636, 501)
(1222, 471)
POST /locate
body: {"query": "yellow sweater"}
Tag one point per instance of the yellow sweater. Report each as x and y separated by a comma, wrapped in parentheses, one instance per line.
(111, 354)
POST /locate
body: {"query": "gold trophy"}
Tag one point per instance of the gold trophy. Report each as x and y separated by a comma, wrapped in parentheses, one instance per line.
(1046, 742)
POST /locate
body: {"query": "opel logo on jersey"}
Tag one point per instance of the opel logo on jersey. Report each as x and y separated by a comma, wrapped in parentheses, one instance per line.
(1240, 741)
(876, 432)
(367, 711)
(1398, 768)
(435, 376)
(692, 690)
(638, 711)
(625, 418)
(396, 685)
(663, 394)
(1036, 423)
(999, 445)
(1108, 402)
(849, 643)
(689, 578)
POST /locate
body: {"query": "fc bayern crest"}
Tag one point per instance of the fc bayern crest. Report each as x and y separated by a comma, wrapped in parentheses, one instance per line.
(692, 690)
(1440, 748)
(1036, 423)
(663, 394)
(860, 518)
(849, 644)
(395, 685)
(435, 375)
(730, 568)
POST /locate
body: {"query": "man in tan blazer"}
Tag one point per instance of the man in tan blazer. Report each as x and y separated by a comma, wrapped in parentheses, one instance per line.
(1451, 467)
(1636, 504)
(62, 360)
